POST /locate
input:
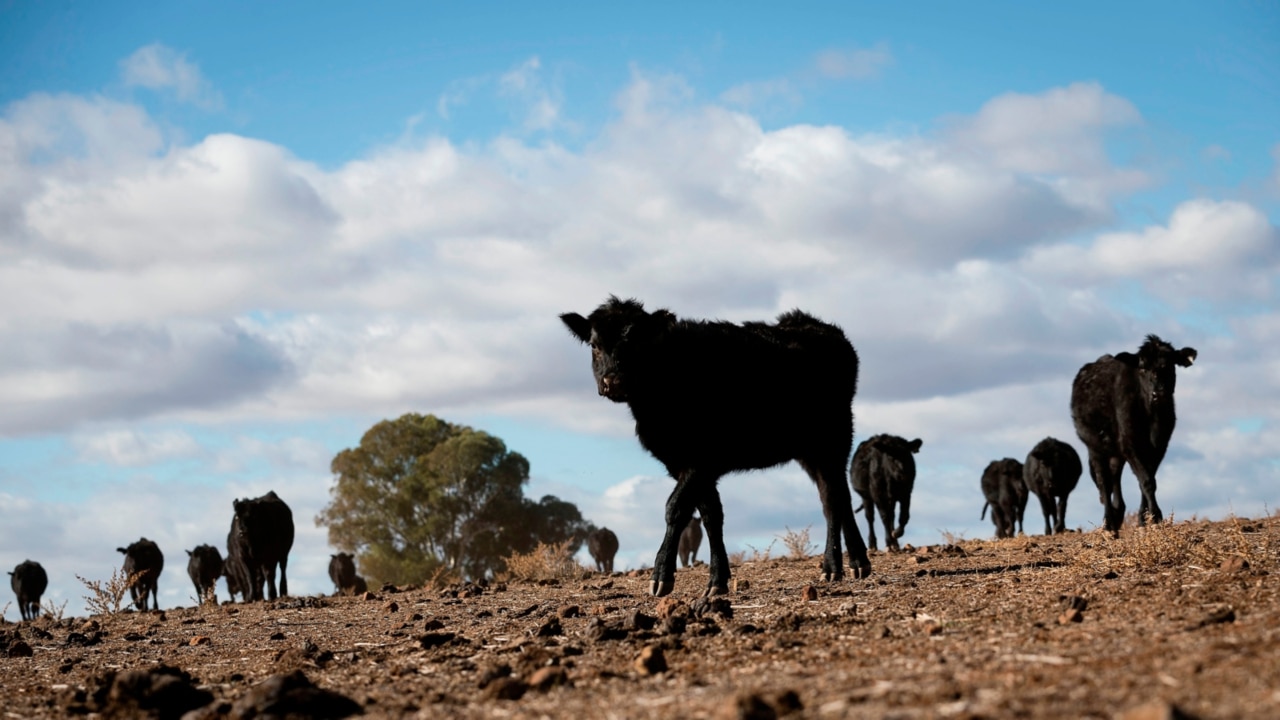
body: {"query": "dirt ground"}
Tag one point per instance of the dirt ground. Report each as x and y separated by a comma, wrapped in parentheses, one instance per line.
(1183, 618)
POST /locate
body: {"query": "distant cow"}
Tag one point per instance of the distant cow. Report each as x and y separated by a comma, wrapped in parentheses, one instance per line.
(711, 398)
(342, 571)
(1122, 406)
(29, 582)
(144, 559)
(883, 472)
(1051, 473)
(690, 541)
(603, 545)
(204, 566)
(233, 568)
(263, 537)
(1006, 495)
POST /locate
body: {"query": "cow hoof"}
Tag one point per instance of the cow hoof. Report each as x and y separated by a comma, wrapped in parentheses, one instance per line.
(861, 571)
(661, 588)
(713, 590)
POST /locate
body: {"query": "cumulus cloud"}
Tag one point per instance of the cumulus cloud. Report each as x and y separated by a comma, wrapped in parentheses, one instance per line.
(158, 67)
(131, 448)
(1208, 250)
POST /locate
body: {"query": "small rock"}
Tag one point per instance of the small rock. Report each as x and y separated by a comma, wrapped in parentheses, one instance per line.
(748, 706)
(550, 628)
(675, 625)
(810, 593)
(369, 596)
(1071, 615)
(743, 584)
(506, 688)
(20, 649)
(392, 606)
(1234, 564)
(1073, 602)
(919, 559)
(293, 695)
(493, 673)
(1155, 710)
(569, 611)
(433, 624)
(637, 620)
(598, 631)
(708, 606)
(669, 606)
(651, 661)
(161, 691)
(200, 640)
(90, 626)
(1217, 616)
(435, 639)
(548, 677)
(787, 702)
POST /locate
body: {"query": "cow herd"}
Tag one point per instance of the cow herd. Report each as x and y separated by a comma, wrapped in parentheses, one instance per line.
(259, 542)
(710, 398)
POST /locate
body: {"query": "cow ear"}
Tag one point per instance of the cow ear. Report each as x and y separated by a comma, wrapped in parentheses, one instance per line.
(1186, 356)
(122, 551)
(188, 552)
(1129, 359)
(915, 445)
(578, 325)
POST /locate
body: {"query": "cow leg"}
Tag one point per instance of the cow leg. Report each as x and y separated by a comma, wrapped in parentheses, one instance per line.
(680, 506)
(713, 523)
(1106, 475)
(904, 514)
(1060, 516)
(269, 570)
(885, 507)
(837, 506)
(868, 506)
(1147, 484)
(1047, 504)
(284, 582)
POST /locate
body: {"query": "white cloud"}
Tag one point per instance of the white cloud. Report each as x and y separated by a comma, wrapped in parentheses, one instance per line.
(856, 64)
(131, 448)
(1209, 250)
(158, 67)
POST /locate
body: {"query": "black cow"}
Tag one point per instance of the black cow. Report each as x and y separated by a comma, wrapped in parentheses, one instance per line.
(1006, 495)
(233, 568)
(263, 536)
(603, 545)
(883, 472)
(1051, 473)
(1122, 406)
(29, 581)
(690, 541)
(143, 559)
(342, 571)
(204, 566)
(710, 398)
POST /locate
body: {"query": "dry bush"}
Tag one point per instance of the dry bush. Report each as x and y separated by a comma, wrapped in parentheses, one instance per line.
(951, 538)
(737, 558)
(544, 562)
(758, 556)
(797, 543)
(442, 577)
(54, 611)
(5, 610)
(106, 597)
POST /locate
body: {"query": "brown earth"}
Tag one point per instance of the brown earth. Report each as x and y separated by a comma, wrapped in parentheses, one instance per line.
(1182, 615)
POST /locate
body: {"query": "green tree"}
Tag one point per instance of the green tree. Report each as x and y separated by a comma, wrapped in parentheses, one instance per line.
(419, 494)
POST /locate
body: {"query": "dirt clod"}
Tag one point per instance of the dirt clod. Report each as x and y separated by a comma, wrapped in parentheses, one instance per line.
(651, 661)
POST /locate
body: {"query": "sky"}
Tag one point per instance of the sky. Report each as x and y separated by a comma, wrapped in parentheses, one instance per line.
(234, 236)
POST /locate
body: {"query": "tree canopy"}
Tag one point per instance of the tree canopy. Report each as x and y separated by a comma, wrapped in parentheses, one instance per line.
(420, 494)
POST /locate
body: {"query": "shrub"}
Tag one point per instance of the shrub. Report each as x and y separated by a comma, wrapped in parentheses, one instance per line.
(106, 597)
(544, 562)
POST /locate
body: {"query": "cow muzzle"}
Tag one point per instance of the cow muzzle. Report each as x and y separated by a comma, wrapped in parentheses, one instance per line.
(610, 386)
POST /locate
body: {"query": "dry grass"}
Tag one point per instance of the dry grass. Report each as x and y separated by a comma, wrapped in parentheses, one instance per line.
(797, 543)
(106, 597)
(1171, 544)
(544, 562)
(54, 611)
(758, 555)
(442, 578)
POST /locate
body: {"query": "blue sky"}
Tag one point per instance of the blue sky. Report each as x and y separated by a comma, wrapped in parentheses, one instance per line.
(234, 235)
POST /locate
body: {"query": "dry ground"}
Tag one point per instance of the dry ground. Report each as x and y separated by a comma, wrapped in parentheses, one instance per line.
(1080, 625)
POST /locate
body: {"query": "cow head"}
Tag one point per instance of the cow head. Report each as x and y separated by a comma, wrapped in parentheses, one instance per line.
(1157, 362)
(621, 334)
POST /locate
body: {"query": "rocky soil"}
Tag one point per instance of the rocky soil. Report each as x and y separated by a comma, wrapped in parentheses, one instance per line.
(1177, 620)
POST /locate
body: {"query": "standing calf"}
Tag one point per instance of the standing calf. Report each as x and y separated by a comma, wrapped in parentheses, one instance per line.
(603, 546)
(342, 571)
(1006, 495)
(29, 582)
(144, 559)
(711, 398)
(1122, 406)
(1051, 472)
(263, 536)
(204, 566)
(690, 540)
(883, 472)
